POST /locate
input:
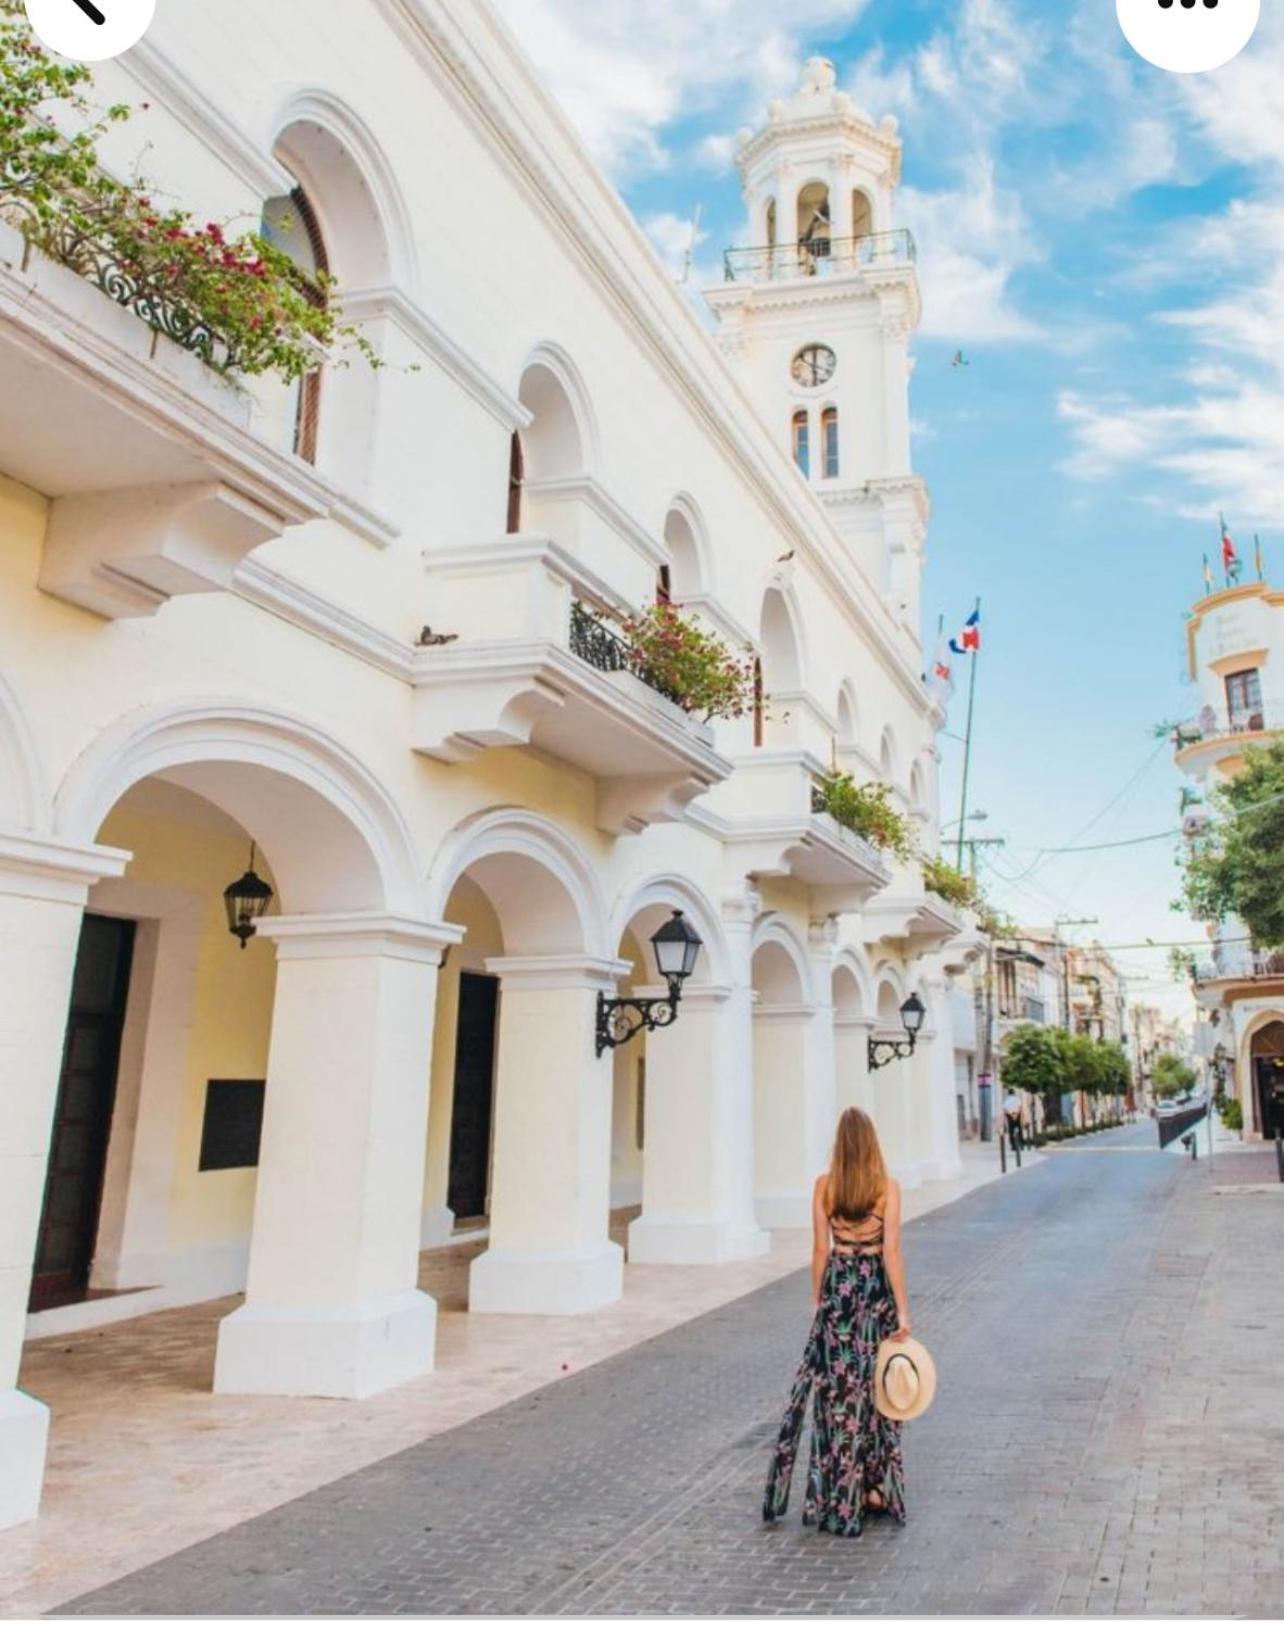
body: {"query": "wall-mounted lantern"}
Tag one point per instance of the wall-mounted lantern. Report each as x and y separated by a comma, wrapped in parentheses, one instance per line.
(913, 1012)
(245, 901)
(619, 1018)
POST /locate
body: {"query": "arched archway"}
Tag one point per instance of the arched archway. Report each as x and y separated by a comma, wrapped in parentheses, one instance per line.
(780, 664)
(540, 944)
(889, 758)
(342, 216)
(683, 1113)
(853, 1023)
(848, 713)
(690, 556)
(893, 1081)
(791, 1128)
(333, 1004)
(1263, 1097)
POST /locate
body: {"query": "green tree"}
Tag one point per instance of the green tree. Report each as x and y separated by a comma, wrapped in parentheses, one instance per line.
(1238, 866)
(1034, 1061)
(1170, 1075)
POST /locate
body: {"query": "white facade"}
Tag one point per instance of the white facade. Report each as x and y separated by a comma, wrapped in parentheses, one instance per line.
(207, 640)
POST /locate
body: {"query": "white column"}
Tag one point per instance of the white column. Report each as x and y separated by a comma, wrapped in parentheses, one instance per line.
(43, 888)
(697, 1186)
(893, 1093)
(550, 1250)
(822, 1062)
(851, 1051)
(784, 1162)
(942, 1157)
(332, 1308)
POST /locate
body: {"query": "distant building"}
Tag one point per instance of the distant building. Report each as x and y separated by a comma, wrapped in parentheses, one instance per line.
(1235, 653)
(1152, 1036)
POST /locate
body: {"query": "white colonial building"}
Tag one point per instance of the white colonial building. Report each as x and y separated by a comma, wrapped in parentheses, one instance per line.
(357, 626)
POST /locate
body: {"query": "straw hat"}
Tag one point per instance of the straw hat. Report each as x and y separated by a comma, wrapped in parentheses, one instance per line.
(904, 1379)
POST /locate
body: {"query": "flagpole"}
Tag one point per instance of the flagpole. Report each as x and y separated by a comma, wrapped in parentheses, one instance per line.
(967, 749)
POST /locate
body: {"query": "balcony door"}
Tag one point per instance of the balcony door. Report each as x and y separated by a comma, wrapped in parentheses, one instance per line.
(82, 1115)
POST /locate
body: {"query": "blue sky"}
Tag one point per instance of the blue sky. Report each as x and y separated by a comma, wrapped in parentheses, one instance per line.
(1103, 240)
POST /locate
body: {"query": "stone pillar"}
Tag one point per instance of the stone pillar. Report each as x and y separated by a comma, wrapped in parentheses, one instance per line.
(43, 888)
(851, 1052)
(332, 1307)
(784, 1163)
(942, 1153)
(550, 1250)
(822, 1061)
(893, 1093)
(697, 1166)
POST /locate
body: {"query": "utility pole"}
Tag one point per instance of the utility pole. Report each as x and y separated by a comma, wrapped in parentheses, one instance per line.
(974, 843)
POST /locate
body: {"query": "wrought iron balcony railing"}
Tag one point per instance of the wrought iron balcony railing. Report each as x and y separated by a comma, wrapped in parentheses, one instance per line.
(1241, 964)
(593, 642)
(1210, 725)
(821, 257)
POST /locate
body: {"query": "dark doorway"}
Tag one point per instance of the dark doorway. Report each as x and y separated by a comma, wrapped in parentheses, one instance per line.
(474, 1096)
(82, 1115)
(1270, 1094)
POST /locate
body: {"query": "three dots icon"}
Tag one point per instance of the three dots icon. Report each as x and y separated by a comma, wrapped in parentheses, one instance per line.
(1167, 5)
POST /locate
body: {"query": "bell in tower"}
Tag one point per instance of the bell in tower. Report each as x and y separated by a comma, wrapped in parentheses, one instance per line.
(815, 314)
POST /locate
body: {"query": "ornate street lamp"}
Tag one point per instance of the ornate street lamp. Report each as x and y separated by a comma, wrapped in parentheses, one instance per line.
(245, 901)
(913, 1013)
(619, 1018)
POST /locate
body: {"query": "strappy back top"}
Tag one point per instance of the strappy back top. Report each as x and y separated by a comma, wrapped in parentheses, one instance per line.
(858, 1236)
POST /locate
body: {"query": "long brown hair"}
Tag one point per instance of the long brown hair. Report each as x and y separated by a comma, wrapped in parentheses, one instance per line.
(857, 1174)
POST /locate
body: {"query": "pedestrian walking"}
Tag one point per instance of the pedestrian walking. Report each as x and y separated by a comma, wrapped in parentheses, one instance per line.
(860, 1329)
(1012, 1115)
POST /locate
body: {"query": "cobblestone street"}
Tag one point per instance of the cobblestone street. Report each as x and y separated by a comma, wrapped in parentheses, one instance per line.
(1106, 1438)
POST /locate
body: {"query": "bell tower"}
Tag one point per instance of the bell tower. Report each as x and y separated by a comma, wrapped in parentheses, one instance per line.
(815, 315)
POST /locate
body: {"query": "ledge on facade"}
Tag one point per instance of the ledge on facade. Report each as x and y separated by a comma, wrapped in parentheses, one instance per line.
(966, 947)
(540, 681)
(159, 485)
(766, 816)
(922, 922)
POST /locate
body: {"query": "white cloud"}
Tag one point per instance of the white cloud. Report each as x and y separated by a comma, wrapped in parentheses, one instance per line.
(626, 69)
(674, 239)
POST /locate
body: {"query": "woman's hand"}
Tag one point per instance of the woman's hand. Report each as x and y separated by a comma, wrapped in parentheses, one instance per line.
(902, 1330)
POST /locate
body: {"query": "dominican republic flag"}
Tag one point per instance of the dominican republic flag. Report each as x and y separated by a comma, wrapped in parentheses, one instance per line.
(970, 638)
(1230, 560)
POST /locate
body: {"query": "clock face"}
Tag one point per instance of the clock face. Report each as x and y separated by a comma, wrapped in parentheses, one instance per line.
(814, 365)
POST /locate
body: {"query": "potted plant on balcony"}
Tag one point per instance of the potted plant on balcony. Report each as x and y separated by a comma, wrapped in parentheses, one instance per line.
(867, 810)
(234, 299)
(948, 882)
(673, 653)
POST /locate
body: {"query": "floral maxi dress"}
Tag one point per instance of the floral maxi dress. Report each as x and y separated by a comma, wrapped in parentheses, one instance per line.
(855, 1450)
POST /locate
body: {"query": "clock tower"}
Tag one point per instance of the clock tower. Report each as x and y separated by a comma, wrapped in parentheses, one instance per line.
(815, 316)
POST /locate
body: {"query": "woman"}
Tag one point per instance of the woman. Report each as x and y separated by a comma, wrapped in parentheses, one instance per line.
(858, 1293)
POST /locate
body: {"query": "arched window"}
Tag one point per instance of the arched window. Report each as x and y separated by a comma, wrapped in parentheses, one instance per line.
(771, 223)
(290, 224)
(862, 215)
(515, 473)
(802, 441)
(759, 703)
(814, 231)
(663, 587)
(829, 442)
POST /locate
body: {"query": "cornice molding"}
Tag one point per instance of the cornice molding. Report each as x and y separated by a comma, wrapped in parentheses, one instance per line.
(395, 305)
(273, 591)
(190, 104)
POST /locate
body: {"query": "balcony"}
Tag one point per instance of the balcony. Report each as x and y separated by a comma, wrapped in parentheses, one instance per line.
(771, 820)
(159, 486)
(911, 920)
(1238, 964)
(821, 257)
(524, 660)
(1213, 737)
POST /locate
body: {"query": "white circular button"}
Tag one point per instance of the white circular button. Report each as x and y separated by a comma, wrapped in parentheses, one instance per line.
(90, 30)
(1188, 36)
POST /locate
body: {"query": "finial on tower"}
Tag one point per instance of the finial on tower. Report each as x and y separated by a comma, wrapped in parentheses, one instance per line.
(818, 76)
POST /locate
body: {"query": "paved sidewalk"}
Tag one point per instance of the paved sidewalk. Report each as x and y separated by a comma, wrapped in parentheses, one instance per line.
(145, 1460)
(1107, 1438)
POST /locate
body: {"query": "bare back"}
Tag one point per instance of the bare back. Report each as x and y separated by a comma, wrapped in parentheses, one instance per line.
(862, 1235)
